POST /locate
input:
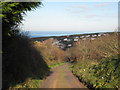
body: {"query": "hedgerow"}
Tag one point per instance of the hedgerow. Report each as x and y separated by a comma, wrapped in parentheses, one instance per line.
(105, 74)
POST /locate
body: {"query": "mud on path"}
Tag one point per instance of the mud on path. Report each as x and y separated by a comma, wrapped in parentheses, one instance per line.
(62, 77)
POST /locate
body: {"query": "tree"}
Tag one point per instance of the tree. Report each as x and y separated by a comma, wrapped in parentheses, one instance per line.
(12, 14)
(20, 60)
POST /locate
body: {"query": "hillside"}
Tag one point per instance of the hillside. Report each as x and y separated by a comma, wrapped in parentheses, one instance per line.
(67, 41)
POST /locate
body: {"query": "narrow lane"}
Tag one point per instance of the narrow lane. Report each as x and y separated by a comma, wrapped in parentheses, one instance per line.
(62, 77)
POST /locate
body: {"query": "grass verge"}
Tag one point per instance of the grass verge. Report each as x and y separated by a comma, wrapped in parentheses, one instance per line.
(56, 65)
(105, 74)
(30, 83)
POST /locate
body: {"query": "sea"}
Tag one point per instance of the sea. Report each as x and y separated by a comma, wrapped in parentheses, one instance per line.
(33, 34)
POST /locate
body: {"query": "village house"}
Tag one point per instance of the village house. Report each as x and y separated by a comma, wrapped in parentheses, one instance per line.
(65, 39)
(99, 35)
(94, 35)
(76, 40)
(69, 45)
(93, 38)
(84, 39)
(87, 36)
(82, 36)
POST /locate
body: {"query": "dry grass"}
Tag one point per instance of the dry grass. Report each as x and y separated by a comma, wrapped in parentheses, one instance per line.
(97, 49)
(50, 52)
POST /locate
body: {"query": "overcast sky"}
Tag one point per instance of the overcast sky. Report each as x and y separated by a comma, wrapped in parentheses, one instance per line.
(73, 16)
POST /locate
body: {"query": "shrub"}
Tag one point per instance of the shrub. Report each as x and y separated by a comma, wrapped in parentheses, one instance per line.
(21, 60)
(105, 74)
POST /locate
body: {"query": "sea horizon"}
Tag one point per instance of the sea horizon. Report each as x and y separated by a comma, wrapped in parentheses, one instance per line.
(33, 34)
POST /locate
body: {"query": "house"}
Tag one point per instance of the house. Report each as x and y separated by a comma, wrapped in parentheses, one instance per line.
(84, 39)
(82, 36)
(105, 34)
(75, 39)
(87, 36)
(65, 39)
(51, 38)
(69, 45)
(99, 35)
(94, 35)
(93, 38)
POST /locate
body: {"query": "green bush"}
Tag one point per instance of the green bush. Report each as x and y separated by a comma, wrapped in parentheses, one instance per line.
(21, 61)
(105, 74)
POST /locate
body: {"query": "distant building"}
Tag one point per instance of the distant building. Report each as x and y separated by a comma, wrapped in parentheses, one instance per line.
(51, 38)
(65, 39)
(87, 36)
(94, 35)
(75, 39)
(69, 45)
(82, 36)
(99, 35)
(93, 38)
(84, 39)
(105, 34)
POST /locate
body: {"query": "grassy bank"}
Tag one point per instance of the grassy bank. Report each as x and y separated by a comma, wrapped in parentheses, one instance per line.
(33, 62)
(56, 65)
(105, 74)
(22, 61)
(97, 61)
(36, 83)
(30, 83)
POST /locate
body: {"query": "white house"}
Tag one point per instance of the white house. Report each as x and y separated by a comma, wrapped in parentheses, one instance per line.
(65, 39)
(82, 36)
(99, 35)
(75, 39)
(94, 35)
(84, 39)
(69, 45)
(87, 36)
(93, 38)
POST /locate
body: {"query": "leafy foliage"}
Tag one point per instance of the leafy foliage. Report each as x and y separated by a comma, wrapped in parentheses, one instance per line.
(105, 74)
(20, 58)
(13, 12)
(56, 65)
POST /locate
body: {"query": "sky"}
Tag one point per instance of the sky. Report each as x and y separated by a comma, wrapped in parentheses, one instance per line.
(73, 16)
